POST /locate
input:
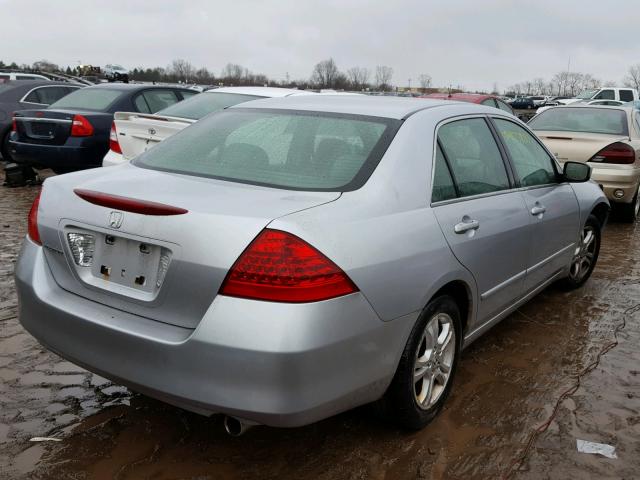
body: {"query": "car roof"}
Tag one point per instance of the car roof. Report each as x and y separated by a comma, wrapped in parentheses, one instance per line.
(271, 92)
(463, 97)
(135, 86)
(388, 107)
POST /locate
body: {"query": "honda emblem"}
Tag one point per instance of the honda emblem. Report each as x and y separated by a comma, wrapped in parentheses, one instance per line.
(115, 219)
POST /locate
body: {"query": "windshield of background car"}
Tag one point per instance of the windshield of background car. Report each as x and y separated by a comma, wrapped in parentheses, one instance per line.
(203, 104)
(585, 94)
(97, 99)
(277, 148)
(580, 119)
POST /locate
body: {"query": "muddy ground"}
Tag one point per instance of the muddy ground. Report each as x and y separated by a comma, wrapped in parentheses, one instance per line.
(508, 385)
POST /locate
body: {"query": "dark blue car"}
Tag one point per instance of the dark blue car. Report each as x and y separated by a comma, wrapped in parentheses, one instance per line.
(73, 133)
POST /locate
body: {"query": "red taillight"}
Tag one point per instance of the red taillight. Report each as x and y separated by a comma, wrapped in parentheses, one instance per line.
(14, 124)
(618, 152)
(114, 145)
(33, 232)
(280, 267)
(127, 204)
(81, 127)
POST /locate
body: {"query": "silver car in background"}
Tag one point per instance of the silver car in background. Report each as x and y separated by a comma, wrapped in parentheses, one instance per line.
(285, 261)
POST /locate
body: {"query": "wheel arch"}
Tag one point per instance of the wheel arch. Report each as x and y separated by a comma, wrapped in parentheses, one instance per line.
(601, 212)
(460, 291)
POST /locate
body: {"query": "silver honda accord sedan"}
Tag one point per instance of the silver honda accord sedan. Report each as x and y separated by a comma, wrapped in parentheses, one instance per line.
(288, 259)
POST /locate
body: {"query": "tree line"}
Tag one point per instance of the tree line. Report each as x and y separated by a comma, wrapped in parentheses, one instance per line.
(569, 84)
(325, 75)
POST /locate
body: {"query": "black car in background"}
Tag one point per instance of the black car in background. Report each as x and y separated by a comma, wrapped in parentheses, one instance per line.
(522, 103)
(18, 95)
(73, 133)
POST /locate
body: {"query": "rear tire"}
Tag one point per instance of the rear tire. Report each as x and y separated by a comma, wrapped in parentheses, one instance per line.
(628, 212)
(4, 147)
(585, 255)
(428, 364)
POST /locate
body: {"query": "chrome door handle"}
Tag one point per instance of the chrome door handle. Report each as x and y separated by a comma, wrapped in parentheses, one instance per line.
(537, 210)
(466, 225)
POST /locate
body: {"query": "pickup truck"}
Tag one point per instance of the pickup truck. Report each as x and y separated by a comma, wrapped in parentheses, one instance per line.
(624, 94)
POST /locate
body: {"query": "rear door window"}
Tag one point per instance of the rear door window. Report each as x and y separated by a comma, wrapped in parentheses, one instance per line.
(475, 160)
(443, 187)
(489, 102)
(141, 104)
(626, 95)
(160, 99)
(532, 163)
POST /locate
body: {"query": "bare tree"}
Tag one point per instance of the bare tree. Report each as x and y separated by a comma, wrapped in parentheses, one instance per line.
(45, 66)
(538, 86)
(633, 77)
(425, 81)
(383, 77)
(182, 69)
(232, 73)
(358, 77)
(325, 74)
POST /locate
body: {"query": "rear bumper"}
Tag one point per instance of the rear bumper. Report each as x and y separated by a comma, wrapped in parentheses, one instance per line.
(57, 156)
(112, 158)
(625, 180)
(275, 364)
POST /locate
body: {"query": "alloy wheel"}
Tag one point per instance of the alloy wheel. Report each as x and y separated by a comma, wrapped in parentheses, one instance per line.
(434, 360)
(584, 254)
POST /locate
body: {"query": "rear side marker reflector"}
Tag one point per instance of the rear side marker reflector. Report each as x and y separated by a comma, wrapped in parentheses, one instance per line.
(127, 204)
(280, 267)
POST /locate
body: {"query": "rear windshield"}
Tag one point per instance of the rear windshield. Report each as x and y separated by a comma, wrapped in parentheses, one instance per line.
(97, 99)
(277, 148)
(580, 119)
(203, 104)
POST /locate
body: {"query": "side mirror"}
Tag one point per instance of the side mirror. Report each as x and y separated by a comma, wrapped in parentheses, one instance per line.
(576, 172)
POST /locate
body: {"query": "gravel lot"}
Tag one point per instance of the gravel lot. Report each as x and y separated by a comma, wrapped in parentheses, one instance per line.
(509, 384)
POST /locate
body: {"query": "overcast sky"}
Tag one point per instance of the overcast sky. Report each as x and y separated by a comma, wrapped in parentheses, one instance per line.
(460, 42)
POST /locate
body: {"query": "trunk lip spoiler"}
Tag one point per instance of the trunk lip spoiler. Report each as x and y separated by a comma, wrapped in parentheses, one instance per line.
(128, 204)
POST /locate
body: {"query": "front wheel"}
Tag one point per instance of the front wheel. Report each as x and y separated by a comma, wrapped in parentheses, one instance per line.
(585, 254)
(425, 374)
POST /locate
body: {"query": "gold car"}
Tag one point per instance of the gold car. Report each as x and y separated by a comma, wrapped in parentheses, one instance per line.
(607, 138)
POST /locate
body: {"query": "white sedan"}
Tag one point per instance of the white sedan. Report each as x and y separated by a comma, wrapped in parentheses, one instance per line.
(133, 133)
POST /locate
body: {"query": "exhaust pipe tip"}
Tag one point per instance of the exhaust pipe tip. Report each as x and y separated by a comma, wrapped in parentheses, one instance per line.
(235, 427)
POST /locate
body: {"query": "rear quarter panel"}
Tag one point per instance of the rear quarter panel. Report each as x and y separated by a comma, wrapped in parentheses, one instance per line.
(384, 235)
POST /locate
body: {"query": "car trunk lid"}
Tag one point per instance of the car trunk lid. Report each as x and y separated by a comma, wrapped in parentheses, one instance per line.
(164, 267)
(576, 146)
(137, 132)
(49, 127)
